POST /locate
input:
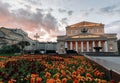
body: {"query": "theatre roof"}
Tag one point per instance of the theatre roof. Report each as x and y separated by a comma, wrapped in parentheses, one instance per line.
(85, 24)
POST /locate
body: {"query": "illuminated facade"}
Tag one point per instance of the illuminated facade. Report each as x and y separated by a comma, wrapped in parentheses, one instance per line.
(84, 36)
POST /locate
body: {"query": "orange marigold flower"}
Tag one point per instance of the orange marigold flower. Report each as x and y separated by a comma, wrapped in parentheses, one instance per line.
(50, 81)
(38, 80)
(88, 75)
(10, 81)
(47, 75)
(34, 75)
(63, 74)
(32, 80)
(56, 76)
(89, 79)
(101, 74)
(74, 73)
(57, 81)
(76, 81)
(79, 77)
(64, 80)
(103, 81)
(96, 73)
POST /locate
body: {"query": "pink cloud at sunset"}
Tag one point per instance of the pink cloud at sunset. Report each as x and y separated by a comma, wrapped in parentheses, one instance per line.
(49, 18)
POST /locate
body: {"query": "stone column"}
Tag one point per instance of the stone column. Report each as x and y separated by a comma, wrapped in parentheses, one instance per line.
(93, 44)
(87, 46)
(76, 46)
(71, 46)
(106, 46)
(66, 45)
(81, 46)
(99, 43)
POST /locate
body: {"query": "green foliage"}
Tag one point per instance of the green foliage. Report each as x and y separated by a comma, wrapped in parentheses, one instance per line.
(23, 44)
(9, 49)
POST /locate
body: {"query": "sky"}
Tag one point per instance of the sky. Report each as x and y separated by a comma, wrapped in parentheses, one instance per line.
(49, 18)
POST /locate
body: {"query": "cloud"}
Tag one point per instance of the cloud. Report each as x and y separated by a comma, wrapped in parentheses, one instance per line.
(4, 9)
(113, 27)
(85, 13)
(70, 12)
(34, 2)
(111, 10)
(62, 10)
(29, 21)
(64, 21)
(49, 10)
(108, 9)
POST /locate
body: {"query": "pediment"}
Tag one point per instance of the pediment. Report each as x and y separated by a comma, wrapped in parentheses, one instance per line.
(85, 23)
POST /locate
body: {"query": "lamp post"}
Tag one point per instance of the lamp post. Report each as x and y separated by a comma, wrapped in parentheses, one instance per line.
(36, 36)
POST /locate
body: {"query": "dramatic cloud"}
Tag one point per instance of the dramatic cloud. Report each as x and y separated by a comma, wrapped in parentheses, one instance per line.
(64, 21)
(34, 2)
(42, 23)
(70, 12)
(113, 27)
(4, 9)
(111, 10)
(50, 17)
(85, 13)
(108, 9)
(62, 10)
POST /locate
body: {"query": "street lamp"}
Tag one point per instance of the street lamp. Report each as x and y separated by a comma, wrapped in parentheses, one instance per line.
(36, 36)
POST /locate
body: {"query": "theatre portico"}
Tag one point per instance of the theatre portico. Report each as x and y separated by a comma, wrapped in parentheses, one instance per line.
(84, 36)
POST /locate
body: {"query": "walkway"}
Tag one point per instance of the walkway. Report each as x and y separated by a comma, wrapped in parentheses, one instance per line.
(111, 63)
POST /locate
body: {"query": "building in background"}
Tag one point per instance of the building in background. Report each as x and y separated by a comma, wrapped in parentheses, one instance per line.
(10, 36)
(84, 36)
(48, 45)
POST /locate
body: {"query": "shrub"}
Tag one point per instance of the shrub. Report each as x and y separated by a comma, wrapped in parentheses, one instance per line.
(9, 49)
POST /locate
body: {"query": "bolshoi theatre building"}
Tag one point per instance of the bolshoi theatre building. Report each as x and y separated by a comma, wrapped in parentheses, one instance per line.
(84, 37)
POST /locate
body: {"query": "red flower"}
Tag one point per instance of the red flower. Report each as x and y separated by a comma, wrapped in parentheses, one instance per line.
(47, 75)
(88, 75)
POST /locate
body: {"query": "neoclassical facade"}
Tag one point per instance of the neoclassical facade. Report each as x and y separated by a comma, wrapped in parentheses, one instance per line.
(84, 36)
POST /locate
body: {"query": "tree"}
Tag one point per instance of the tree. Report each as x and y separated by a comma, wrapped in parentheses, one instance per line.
(6, 49)
(22, 45)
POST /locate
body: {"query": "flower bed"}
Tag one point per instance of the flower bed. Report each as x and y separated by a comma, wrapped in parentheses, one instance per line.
(51, 69)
